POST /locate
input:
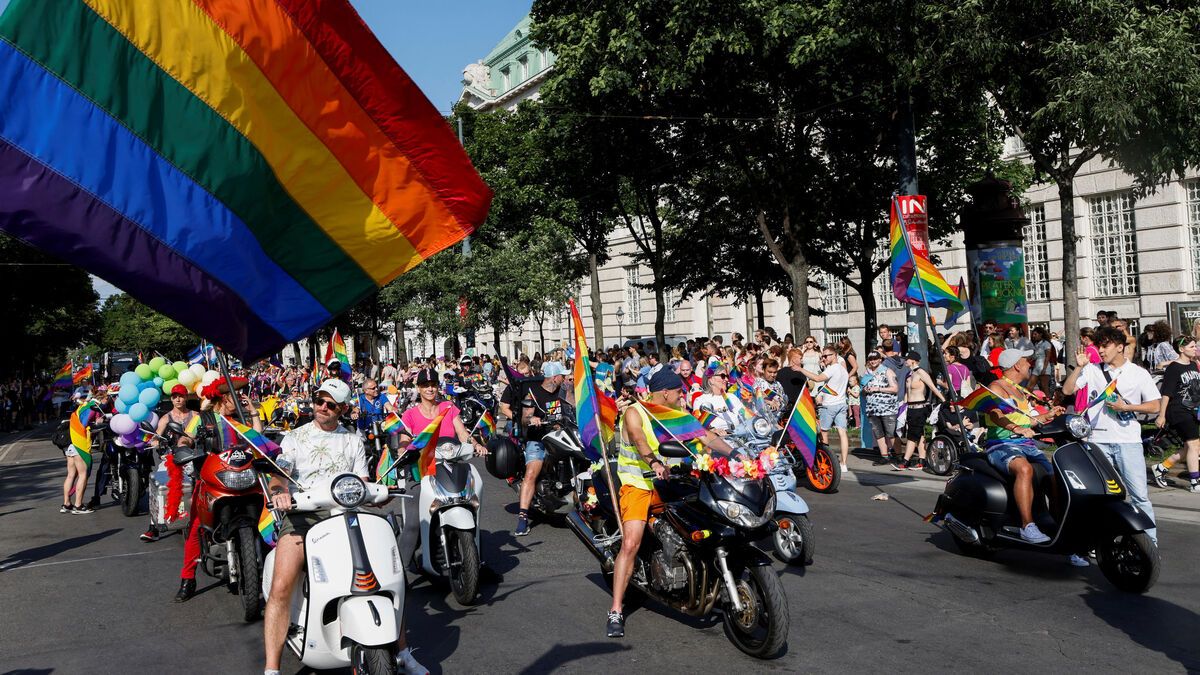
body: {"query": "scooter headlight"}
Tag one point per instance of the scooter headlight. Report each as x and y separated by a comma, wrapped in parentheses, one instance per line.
(237, 480)
(349, 491)
(1078, 426)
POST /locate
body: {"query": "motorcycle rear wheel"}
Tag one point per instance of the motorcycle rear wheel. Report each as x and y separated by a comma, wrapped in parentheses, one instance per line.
(825, 475)
(760, 629)
(1129, 561)
(249, 574)
(794, 545)
(464, 577)
(133, 490)
(372, 660)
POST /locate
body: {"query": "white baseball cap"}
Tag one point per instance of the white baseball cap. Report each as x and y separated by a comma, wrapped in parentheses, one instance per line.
(1009, 357)
(339, 391)
(552, 368)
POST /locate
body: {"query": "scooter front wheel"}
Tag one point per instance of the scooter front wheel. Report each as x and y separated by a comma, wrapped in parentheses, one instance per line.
(464, 566)
(1129, 561)
(372, 660)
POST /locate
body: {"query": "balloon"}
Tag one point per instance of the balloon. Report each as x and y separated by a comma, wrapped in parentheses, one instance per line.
(143, 371)
(187, 378)
(122, 424)
(153, 421)
(138, 412)
(199, 386)
(158, 381)
(156, 363)
(120, 441)
(167, 372)
(210, 377)
(148, 398)
(130, 379)
(179, 366)
(169, 385)
(148, 384)
(128, 394)
(197, 370)
(121, 405)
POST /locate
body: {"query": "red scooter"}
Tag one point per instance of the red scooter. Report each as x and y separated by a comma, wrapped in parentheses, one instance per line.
(227, 500)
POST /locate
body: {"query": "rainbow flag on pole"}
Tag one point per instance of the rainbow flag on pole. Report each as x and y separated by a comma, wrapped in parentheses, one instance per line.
(704, 417)
(983, 400)
(595, 413)
(83, 375)
(391, 424)
(486, 425)
(263, 166)
(910, 262)
(802, 426)
(424, 442)
(337, 351)
(673, 423)
(62, 379)
(263, 445)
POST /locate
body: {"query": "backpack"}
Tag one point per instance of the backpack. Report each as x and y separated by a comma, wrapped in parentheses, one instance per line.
(62, 435)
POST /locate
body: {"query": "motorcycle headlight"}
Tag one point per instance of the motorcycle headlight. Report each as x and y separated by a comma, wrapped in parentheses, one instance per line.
(761, 427)
(237, 480)
(349, 491)
(1078, 426)
(741, 515)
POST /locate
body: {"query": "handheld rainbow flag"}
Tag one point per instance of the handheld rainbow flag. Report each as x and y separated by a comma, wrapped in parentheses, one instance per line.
(391, 423)
(81, 433)
(673, 424)
(984, 400)
(261, 444)
(486, 426)
(287, 168)
(337, 351)
(84, 374)
(705, 417)
(266, 526)
(424, 442)
(228, 433)
(595, 412)
(911, 269)
(62, 379)
(1109, 393)
(802, 426)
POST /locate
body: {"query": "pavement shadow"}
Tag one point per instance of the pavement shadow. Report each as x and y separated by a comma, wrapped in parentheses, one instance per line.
(39, 553)
(29, 671)
(636, 600)
(9, 513)
(34, 481)
(560, 655)
(430, 624)
(1168, 634)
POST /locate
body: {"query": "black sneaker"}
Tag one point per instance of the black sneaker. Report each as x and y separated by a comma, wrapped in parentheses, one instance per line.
(880, 461)
(66, 508)
(83, 510)
(93, 503)
(187, 588)
(918, 466)
(616, 625)
(899, 466)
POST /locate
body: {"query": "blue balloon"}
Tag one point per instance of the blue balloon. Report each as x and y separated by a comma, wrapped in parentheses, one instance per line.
(128, 394)
(148, 384)
(130, 379)
(158, 381)
(120, 404)
(139, 412)
(148, 398)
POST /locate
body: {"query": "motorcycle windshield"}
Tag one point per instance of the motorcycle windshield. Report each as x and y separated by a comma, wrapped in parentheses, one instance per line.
(752, 493)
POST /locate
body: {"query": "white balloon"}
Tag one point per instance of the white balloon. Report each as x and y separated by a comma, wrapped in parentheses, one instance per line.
(197, 370)
(187, 378)
(210, 377)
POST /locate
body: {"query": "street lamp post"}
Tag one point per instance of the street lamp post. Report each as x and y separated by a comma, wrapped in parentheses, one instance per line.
(620, 324)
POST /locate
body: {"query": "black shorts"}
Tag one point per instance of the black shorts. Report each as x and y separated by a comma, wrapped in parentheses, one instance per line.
(1183, 422)
(914, 427)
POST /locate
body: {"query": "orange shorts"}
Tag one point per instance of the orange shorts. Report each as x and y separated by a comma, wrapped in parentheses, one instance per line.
(636, 503)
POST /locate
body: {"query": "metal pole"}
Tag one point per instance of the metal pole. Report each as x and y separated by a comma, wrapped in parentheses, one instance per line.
(237, 402)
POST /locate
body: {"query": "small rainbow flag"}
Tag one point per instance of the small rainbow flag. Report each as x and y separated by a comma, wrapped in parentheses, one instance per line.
(391, 423)
(337, 350)
(62, 379)
(228, 433)
(263, 445)
(146, 437)
(486, 425)
(983, 400)
(802, 426)
(1108, 394)
(81, 433)
(84, 374)
(673, 423)
(705, 417)
(424, 442)
(266, 526)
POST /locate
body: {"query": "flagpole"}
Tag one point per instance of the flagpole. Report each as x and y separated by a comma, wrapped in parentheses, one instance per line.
(613, 484)
(928, 314)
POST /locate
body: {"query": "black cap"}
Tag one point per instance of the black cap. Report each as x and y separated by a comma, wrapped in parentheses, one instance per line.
(427, 376)
(664, 379)
(913, 356)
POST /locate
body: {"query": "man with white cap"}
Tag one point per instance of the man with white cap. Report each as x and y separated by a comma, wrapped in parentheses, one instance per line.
(1010, 445)
(543, 400)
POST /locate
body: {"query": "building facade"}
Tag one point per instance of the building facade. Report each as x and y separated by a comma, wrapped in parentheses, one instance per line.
(512, 72)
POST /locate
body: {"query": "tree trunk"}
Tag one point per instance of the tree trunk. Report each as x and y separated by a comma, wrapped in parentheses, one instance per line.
(597, 309)
(496, 337)
(760, 308)
(660, 315)
(401, 344)
(296, 355)
(1070, 277)
(541, 322)
(870, 321)
(797, 271)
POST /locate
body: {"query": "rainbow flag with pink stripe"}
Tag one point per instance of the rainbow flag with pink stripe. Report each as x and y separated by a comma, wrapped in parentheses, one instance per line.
(266, 526)
(802, 426)
(424, 442)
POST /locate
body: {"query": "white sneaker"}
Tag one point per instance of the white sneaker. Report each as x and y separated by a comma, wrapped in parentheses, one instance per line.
(1078, 562)
(410, 666)
(1160, 475)
(845, 468)
(1195, 486)
(1033, 535)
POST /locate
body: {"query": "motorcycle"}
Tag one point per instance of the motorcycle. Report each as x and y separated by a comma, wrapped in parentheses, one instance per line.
(565, 459)
(227, 500)
(474, 398)
(449, 516)
(347, 608)
(701, 553)
(979, 511)
(129, 474)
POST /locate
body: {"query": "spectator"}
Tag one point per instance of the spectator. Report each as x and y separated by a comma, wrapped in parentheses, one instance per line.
(879, 386)
(1159, 353)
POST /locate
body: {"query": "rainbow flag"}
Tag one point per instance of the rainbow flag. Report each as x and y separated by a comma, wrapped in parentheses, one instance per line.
(266, 526)
(263, 165)
(953, 316)
(146, 437)
(261, 444)
(595, 412)
(802, 426)
(984, 400)
(486, 425)
(704, 417)
(673, 424)
(392, 424)
(337, 350)
(911, 269)
(62, 379)
(424, 442)
(228, 433)
(1109, 393)
(84, 374)
(81, 433)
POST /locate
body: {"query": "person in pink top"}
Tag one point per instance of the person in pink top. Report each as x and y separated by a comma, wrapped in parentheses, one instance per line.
(428, 409)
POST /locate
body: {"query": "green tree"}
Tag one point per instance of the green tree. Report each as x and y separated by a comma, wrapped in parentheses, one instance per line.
(128, 325)
(1118, 79)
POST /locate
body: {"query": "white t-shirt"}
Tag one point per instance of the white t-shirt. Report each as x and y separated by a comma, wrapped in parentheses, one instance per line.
(727, 408)
(833, 390)
(1134, 384)
(317, 455)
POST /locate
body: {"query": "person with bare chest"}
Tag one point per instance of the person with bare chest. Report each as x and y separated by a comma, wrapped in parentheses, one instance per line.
(917, 391)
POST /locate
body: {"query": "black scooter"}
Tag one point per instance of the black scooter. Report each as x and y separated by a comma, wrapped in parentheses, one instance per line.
(1091, 513)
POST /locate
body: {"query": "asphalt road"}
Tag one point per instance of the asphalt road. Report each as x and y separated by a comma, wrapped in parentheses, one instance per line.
(81, 594)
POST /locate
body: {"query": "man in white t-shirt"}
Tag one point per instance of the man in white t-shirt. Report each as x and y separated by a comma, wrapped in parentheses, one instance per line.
(832, 397)
(1117, 431)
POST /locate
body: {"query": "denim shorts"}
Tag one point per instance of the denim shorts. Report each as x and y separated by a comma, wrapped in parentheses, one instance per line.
(534, 451)
(832, 417)
(1000, 455)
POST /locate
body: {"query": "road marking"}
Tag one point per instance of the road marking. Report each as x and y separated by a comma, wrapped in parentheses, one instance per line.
(16, 564)
(8, 448)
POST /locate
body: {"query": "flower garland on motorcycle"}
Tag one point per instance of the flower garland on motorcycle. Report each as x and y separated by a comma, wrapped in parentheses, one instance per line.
(749, 467)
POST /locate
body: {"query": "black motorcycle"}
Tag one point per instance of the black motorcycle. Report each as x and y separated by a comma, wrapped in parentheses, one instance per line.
(701, 554)
(128, 469)
(1091, 511)
(564, 461)
(474, 398)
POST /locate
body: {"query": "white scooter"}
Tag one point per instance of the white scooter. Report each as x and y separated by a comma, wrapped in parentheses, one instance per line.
(346, 608)
(449, 515)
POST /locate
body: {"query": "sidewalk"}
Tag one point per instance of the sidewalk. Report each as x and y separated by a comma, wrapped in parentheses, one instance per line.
(1174, 504)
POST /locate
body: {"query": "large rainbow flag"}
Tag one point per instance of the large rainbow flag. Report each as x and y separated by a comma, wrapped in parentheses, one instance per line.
(62, 379)
(80, 432)
(425, 442)
(802, 426)
(595, 413)
(336, 351)
(911, 270)
(83, 375)
(250, 168)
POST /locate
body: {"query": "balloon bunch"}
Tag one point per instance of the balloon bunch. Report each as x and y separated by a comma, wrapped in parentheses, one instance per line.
(142, 388)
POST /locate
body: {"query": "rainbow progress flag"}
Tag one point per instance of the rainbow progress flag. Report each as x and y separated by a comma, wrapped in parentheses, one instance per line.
(391, 424)
(62, 379)
(911, 268)
(337, 351)
(983, 400)
(81, 433)
(424, 442)
(802, 426)
(704, 417)
(250, 168)
(486, 426)
(595, 413)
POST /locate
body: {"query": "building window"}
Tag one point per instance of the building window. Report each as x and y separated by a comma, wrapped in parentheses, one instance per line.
(834, 297)
(833, 337)
(545, 58)
(1193, 207)
(670, 297)
(1114, 249)
(633, 295)
(524, 63)
(505, 79)
(1037, 267)
(884, 298)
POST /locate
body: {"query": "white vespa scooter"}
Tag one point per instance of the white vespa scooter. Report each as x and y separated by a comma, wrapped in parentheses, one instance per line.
(346, 608)
(449, 516)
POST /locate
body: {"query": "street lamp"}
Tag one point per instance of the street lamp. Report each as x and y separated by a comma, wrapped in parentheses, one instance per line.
(620, 323)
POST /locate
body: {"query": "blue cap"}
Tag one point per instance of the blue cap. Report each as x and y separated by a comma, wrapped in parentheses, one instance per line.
(664, 379)
(552, 368)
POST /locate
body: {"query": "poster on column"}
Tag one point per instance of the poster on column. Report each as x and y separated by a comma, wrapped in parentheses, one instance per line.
(998, 272)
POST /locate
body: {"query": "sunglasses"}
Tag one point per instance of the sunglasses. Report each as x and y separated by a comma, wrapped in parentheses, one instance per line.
(324, 403)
